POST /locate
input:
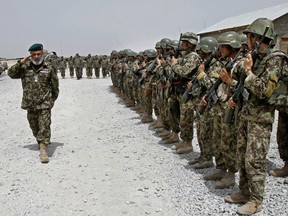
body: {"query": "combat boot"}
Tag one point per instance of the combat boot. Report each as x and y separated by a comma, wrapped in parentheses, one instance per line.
(218, 174)
(195, 161)
(249, 208)
(178, 145)
(164, 133)
(147, 119)
(173, 139)
(203, 164)
(235, 198)
(43, 153)
(227, 181)
(159, 130)
(158, 124)
(187, 148)
(280, 172)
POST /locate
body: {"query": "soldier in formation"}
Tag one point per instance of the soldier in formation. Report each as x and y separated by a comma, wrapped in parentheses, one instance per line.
(225, 86)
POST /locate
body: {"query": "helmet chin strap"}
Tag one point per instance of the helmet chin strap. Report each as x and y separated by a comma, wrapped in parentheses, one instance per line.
(39, 61)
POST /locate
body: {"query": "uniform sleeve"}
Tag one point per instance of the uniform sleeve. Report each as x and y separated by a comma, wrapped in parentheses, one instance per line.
(184, 68)
(263, 86)
(17, 70)
(54, 83)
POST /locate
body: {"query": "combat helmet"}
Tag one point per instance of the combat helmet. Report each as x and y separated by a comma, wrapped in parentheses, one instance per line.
(173, 44)
(131, 53)
(230, 38)
(258, 27)
(164, 42)
(150, 53)
(158, 45)
(191, 37)
(208, 44)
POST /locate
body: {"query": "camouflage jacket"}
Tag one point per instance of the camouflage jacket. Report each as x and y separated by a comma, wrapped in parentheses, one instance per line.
(261, 85)
(40, 87)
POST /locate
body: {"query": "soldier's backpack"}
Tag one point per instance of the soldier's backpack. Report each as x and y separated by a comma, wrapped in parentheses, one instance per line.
(279, 97)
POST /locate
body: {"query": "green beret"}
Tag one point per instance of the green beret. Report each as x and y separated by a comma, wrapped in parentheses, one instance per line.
(36, 47)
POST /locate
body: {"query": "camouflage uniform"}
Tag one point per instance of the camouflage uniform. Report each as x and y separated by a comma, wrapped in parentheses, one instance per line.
(62, 66)
(40, 90)
(89, 66)
(183, 69)
(96, 65)
(78, 63)
(71, 66)
(105, 66)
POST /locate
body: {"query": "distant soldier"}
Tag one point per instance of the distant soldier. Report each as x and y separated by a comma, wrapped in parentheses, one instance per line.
(62, 66)
(105, 65)
(96, 66)
(78, 63)
(71, 66)
(89, 66)
(40, 91)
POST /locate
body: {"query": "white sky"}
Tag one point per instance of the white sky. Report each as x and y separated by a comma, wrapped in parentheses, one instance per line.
(99, 26)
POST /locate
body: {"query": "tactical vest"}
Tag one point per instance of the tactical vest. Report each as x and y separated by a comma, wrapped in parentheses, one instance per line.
(279, 97)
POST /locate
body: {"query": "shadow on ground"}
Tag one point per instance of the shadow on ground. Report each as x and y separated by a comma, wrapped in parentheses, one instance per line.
(51, 148)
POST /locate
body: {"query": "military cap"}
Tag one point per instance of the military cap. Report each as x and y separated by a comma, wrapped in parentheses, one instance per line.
(35, 47)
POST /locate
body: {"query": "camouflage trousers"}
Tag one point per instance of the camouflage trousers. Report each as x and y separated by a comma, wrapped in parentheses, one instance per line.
(78, 73)
(164, 109)
(89, 72)
(97, 72)
(62, 72)
(252, 148)
(104, 72)
(205, 134)
(186, 118)
(40, 121)
(155, 103)
(147, 98)
(174, 113)
(282, 135)
(71, 70)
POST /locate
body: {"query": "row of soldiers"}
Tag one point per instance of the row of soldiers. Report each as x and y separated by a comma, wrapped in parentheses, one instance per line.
(77, 63)
(228, 88)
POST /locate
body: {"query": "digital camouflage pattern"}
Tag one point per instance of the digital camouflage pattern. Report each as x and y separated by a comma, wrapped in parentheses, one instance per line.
(40, 88)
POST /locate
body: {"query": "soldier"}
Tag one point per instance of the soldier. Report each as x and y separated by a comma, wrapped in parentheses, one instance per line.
(282, 137)
(78, 63)
(62, 66)
(105, 65)
(183, 68)
(207, 50)
(89, 66)
(256, 117)
(40, 91)
(96, 66)
(71, 66)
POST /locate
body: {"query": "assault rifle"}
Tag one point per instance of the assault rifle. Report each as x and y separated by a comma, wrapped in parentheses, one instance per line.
(178, 50)
(241, 93)
(211, 96)
(194, 79)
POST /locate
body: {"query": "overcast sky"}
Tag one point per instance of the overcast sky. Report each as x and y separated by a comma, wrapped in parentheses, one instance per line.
(99, 26)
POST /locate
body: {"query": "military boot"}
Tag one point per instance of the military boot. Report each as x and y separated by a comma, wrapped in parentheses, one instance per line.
(147, 119)
(238, 197)
(218, 174)
(204, 163)
(164, 133)
(195, 161)
(159, 130)
(158, 124)
(249, 208)
(178, 145)
(174, 138)
(187, 148)
(227, 181)
(280, 172)
(43, 153)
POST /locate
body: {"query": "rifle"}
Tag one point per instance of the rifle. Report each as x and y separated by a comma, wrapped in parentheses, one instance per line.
(149, 70)
(123, 61)
(211, 96)
(194, 79)
(241, 93)
(178, 50)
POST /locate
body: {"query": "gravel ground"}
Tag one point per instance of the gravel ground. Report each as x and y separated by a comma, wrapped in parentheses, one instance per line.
(103, 161)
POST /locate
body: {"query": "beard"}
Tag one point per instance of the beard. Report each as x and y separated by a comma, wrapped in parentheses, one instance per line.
(38, 61)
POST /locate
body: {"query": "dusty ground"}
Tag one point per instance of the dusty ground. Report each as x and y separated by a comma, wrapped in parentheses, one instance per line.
(103, 162)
